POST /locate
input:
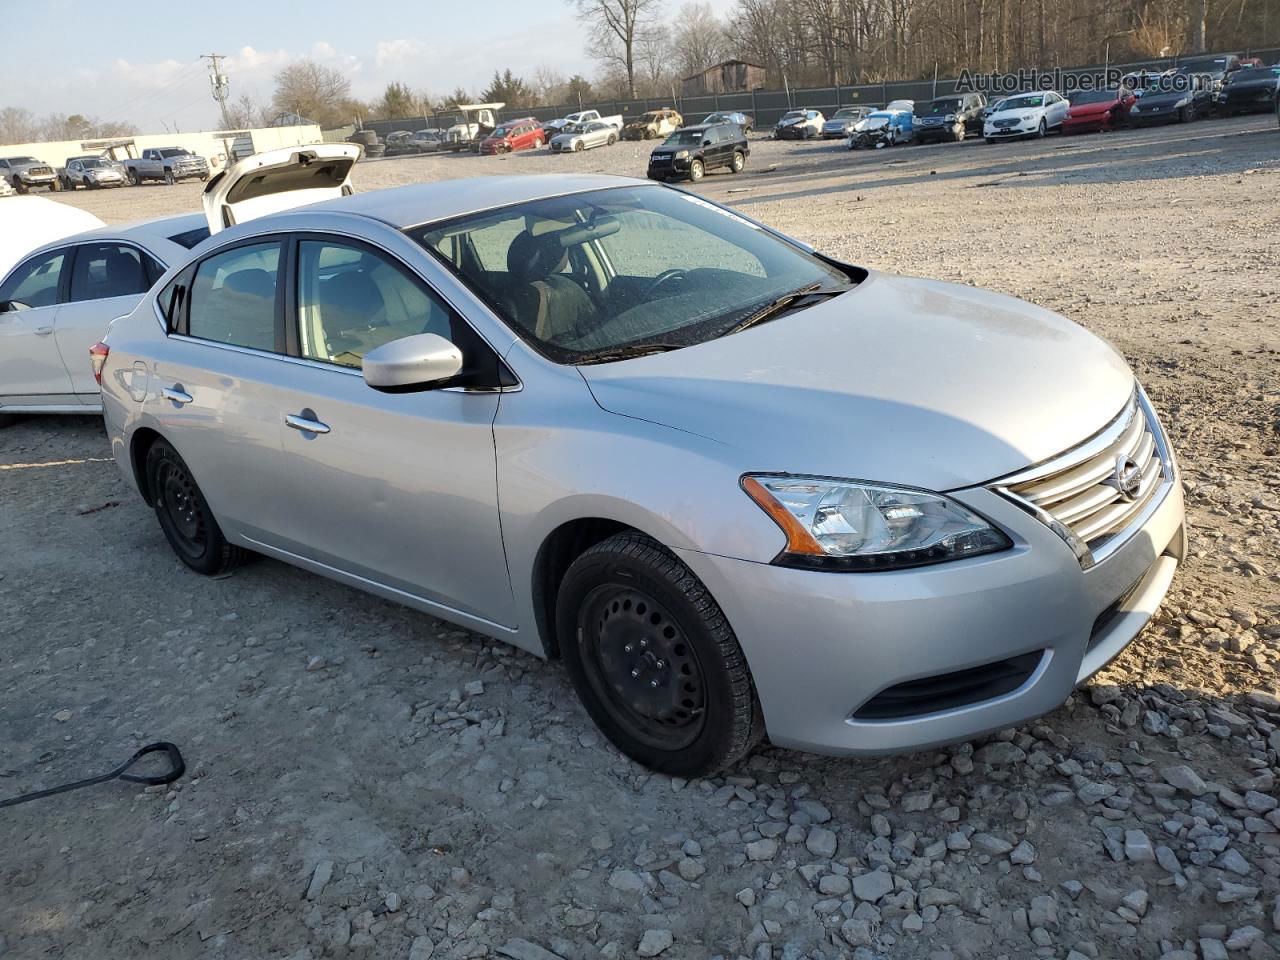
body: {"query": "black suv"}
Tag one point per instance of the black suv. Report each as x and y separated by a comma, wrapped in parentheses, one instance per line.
(950, 118)
(692, 151)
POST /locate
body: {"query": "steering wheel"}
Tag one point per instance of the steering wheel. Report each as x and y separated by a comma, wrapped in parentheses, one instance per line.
(665, 277)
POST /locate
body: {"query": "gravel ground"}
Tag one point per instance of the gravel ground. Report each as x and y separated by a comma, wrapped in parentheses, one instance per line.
(364, 781)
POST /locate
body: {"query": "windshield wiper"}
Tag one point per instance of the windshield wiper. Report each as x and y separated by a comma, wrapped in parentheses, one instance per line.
(627, 352)
(785, 302)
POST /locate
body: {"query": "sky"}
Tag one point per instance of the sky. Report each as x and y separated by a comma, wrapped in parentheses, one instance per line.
(143, 67)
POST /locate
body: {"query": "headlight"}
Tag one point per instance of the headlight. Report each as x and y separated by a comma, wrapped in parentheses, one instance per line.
(950, 118)
(849, 526)
(682, 154)
(1182, 103)
(1028, 116)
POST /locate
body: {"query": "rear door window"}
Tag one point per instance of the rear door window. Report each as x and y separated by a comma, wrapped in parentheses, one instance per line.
(104, 270)
(233, 297)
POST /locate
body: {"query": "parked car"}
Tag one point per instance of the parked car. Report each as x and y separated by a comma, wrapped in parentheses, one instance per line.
(429, 140)
(950, 118)
(57, 302)
(883, 128)
(744, 120)
(653, 124)
(92, 173)
(473, 123)
(1248, 63)
(691, 151)
(583, 117)
(1098, 110)
(595, 133)
(1173, 100)
(1210, 71)
(841, 123)
(6, 190)
(400, 142)
(169, 164)
(1140, 81)
(803, 124)
(1249, 90)
(618, 494)
(1028, 115)
(28, 173)
(524, 134)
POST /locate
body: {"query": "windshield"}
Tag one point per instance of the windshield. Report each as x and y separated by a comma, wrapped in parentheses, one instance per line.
(92, 163)
(500, 132)
(793, 115)
(1022, 103)
(1093, 96)
(1203, 66)
(594, 272)
(23, 160)
(1252, 74)
(940, 108)
(684, 138)
(846, 113)
(881, 115)
(173, 153)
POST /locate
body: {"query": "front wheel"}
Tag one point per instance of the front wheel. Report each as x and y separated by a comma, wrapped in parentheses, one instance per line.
(696, 171)
(654, 660)
(1043, 129)
(184, 514)
(1187, 114)
(169, 178)
(961, 132)
(739, 161)
(613, 138)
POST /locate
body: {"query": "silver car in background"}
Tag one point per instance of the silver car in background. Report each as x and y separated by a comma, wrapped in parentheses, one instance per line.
(58, 301)
(594, 133)
(739, 487)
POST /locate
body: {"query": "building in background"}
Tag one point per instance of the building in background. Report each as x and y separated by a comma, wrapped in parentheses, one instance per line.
(732, 76)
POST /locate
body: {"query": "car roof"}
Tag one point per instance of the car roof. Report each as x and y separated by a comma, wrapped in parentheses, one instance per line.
(419, 203)
(154, 234)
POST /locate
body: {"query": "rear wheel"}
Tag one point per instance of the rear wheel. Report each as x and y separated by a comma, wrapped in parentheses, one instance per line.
(184, 514)
(134, 178)
(696, 170)
(653, 659)
(739, 161)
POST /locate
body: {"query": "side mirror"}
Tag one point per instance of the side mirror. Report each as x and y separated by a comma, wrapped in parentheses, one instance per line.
(11, 306)
(706, 143)
(421, 362)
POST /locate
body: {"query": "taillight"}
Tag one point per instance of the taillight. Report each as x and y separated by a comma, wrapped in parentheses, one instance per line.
(98, 357)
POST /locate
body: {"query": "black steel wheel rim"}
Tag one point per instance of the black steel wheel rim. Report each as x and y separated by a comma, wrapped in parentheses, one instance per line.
(640, 662)
(180, 501)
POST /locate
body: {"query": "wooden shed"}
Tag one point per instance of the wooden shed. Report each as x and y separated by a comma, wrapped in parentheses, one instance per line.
(732, 76)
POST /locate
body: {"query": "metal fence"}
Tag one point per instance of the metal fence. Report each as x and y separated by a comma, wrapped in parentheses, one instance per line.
(766, 106)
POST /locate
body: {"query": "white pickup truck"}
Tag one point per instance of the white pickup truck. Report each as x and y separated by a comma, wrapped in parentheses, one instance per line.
(583, 117)
(169, 164)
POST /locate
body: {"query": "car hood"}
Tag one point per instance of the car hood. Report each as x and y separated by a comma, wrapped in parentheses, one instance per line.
(901, 380)
(1014, 113)
(1090, 109)
(1161, 99)
(1252, 84)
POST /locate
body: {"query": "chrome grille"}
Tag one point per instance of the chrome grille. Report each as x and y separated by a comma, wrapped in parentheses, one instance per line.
(1093, 495)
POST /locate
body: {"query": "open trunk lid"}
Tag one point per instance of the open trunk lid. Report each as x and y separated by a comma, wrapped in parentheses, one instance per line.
(278, 180)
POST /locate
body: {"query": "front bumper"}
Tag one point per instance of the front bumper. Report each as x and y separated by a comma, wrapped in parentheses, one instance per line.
(37, 179)
(823, 646)
(1025, 129)
(1140, 118)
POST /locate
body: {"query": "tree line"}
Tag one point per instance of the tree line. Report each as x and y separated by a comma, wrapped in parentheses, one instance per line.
(19, 125)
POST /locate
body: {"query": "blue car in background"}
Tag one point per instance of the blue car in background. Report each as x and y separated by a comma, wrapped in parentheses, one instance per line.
(884, 128)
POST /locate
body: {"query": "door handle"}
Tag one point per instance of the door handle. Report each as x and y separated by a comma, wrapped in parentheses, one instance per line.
(43, 331)
(306, 422)
(176, 394)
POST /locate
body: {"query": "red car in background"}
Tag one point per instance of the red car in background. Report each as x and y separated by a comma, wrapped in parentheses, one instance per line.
(1098, 110)
(525, 134)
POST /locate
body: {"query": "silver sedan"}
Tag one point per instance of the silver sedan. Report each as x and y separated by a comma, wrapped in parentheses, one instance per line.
(58, 301)
(740, 488)
(594, 134)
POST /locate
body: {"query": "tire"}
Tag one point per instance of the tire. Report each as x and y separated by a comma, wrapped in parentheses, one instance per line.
(537, 143)
(578, 147)
(613, 138)
(184, 514)
(616, 599)
(1187, 113)
(961, 132)
(134, 178)
(1043, 130)
(55, 186)
(169, 178)
(696, 171)
(19, 186)
(738, 162)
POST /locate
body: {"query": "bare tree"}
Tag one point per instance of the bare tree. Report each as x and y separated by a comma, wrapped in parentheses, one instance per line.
(699, 39)
(321, 94)
(617, 26)
(247, 112)
(18, 125)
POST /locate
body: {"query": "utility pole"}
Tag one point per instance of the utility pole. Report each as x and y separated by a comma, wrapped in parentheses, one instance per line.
(218, 80)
